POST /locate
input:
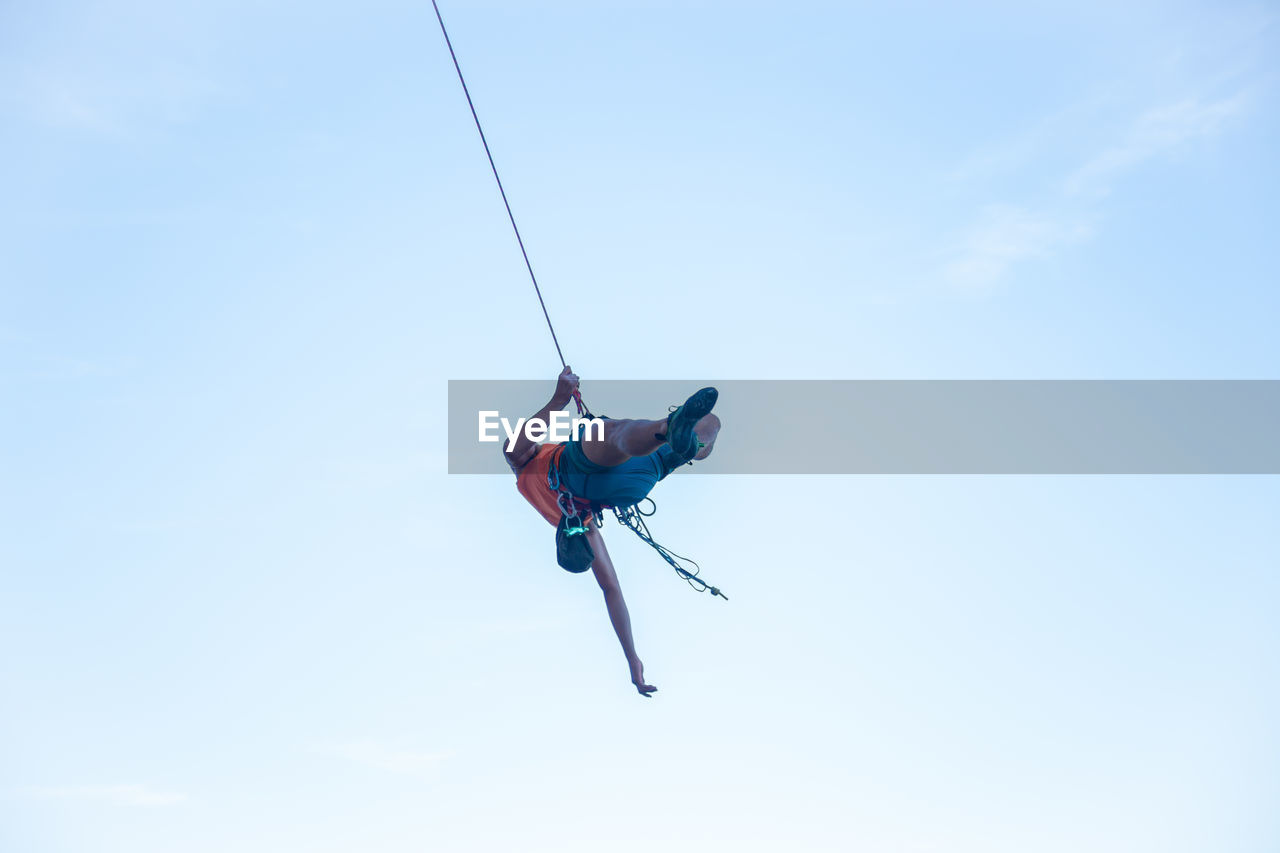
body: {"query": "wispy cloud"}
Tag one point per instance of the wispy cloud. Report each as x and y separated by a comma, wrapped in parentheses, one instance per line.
(29, 364)
(382, 756)
(120, 795)
(115, 71)
(1192, 86)
(1153, 134)
(112, 105)
(1016, 151)
(1003, 236)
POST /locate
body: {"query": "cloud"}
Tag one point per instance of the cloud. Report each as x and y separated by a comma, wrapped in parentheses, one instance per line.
(1022, 148)
(1183, 86)
(114, 104)
(113, 70)
(381, 756)
(1153, 133)
(28, 363)
(120, 795)
(1003, 236)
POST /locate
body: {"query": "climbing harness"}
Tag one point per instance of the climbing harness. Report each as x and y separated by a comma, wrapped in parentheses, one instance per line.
(632, 517)
(573, 551)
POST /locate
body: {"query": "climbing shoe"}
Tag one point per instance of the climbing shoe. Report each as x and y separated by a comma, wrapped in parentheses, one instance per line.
(680, 423)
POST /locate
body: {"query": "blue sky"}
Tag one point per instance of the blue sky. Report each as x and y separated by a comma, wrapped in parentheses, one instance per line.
(245, 245)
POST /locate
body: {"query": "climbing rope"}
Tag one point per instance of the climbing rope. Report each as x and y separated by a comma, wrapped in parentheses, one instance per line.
(577, 397)
(501, 190)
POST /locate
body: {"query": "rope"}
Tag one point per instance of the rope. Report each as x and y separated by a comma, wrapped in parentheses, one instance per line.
(505, 203)
(633, 518)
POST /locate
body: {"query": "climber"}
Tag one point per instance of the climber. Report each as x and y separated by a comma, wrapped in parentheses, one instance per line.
(616, 468)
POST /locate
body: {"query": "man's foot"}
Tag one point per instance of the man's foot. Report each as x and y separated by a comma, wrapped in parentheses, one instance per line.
(680, 423)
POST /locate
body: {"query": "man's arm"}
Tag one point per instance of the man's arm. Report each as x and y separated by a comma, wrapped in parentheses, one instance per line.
(524, 449)
(602, 568)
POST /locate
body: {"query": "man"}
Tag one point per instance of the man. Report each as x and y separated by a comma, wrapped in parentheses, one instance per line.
(617, 469)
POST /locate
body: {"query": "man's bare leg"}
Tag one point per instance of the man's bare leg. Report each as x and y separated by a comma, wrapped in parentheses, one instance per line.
(625, 438)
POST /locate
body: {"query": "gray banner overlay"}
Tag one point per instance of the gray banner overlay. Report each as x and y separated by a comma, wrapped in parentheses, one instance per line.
(925, 427)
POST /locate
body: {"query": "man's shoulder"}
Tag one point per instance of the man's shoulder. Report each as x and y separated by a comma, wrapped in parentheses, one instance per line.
(540, 458)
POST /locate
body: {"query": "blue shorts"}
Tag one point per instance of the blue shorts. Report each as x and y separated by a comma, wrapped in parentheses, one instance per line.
(619, 485)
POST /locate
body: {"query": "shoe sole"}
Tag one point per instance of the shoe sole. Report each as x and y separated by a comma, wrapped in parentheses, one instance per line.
(680, 434)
